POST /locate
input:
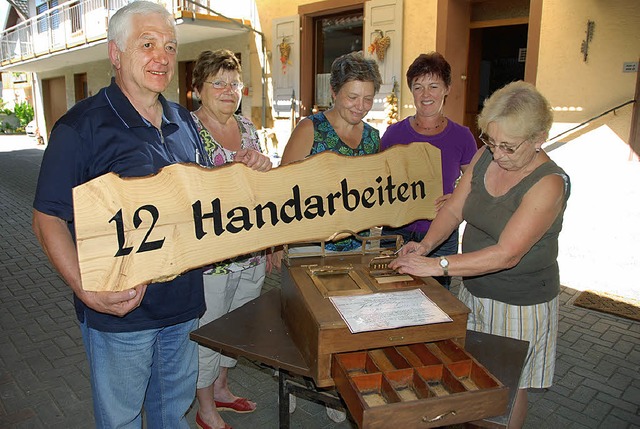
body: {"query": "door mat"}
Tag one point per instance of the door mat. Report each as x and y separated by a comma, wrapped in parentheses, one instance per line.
(608, 303)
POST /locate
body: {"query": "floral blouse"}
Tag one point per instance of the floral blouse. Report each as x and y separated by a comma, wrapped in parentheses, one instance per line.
(220, 156)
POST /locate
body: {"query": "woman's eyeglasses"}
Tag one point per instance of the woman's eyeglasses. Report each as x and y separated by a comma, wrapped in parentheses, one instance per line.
(492, 145)
(221, 84)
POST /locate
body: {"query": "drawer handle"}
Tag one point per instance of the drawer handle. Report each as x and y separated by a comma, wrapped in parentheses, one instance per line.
(398, 338)
(440, 417)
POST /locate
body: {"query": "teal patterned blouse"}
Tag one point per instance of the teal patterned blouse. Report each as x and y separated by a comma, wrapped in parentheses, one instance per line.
(325, 138)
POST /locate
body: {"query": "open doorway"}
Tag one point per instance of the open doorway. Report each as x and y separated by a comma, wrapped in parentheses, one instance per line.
(497, 56)
(80, 86)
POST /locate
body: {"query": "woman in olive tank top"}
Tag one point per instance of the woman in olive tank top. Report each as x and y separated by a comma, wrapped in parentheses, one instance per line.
(513, 198)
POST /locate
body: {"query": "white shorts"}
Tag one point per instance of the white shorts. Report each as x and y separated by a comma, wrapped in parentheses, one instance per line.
(222, 294)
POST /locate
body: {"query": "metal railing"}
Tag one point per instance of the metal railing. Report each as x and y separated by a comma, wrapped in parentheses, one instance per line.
(613, 109)
(79, 22)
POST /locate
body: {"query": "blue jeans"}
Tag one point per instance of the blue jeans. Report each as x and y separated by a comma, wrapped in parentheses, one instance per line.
(448, 247)
(155, 369)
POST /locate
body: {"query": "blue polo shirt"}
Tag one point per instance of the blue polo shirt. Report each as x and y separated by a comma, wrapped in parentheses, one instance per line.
(103, 134)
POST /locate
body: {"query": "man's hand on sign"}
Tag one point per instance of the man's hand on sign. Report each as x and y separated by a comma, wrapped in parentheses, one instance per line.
(253, 159)
(116, 303)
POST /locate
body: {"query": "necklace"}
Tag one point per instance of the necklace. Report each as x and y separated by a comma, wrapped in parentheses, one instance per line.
(435, 127)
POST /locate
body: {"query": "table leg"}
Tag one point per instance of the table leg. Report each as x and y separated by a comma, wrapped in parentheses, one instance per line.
(287, 385)
(283, 400)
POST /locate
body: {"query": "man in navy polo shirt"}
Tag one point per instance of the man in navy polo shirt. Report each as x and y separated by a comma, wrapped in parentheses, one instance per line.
(137, 341)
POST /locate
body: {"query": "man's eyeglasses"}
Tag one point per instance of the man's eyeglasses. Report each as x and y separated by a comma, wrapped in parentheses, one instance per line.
(221, 84)
(492, 145)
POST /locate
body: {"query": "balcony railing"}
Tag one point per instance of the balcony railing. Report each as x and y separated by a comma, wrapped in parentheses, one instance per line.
(76, 23)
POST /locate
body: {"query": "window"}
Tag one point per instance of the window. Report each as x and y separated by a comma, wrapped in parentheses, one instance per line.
(54, 17)
(334, 36)
(75, 14)
(329, 29)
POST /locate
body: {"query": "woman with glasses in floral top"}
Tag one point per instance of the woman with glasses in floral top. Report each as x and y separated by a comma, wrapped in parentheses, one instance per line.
(227, 137)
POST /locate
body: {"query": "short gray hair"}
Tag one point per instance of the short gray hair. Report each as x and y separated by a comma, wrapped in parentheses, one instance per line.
(120, 22)
(519, 109)
(354, 66)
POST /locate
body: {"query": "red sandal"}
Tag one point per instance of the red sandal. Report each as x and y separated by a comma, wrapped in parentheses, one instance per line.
(240, 405)
(202, 425)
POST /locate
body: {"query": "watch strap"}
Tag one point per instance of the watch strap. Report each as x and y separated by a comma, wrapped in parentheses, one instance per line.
(444, 263)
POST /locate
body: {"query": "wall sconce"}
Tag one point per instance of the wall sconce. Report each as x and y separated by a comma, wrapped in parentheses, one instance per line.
(585, 43)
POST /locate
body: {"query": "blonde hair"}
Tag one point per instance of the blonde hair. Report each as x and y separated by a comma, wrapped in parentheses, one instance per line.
(520, 110)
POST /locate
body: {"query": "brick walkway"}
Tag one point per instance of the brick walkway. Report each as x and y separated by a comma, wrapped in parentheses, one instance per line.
(43, 370)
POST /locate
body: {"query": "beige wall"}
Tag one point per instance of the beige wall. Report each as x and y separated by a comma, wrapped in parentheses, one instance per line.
(419, 33)
(99, 73)
(98, 76)
(563, 76)
(598, 84)
(419, 36)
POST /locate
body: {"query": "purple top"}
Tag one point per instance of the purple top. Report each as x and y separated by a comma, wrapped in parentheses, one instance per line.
(457, 146)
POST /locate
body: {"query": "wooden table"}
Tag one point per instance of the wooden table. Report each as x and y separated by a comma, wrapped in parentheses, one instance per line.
(256, 331)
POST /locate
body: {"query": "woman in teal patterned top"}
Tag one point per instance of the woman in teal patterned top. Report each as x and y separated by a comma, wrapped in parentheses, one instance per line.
(354, 83)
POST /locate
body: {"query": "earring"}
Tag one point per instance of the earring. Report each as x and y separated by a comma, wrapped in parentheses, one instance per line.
(537, 150)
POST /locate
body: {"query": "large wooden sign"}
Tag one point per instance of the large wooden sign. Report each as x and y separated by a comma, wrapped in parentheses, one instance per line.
(139, 230)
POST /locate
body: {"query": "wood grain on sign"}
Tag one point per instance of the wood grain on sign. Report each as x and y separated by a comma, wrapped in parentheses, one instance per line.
(138, 230)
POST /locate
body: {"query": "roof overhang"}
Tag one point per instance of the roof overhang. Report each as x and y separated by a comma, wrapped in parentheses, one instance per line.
(190, 30)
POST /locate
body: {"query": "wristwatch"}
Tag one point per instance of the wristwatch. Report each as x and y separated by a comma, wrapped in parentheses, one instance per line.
(444, 263)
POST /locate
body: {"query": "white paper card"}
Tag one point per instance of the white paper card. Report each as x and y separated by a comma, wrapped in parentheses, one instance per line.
(388, 310)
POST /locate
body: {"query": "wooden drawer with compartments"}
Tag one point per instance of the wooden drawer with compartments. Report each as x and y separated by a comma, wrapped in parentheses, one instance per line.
(417, 386)
(319, 331)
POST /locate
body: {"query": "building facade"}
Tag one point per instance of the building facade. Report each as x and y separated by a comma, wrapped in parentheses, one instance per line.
(582, 54)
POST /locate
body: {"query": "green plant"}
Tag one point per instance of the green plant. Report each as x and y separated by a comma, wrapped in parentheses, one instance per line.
(6, 128)
(24, 112)
(3, 109)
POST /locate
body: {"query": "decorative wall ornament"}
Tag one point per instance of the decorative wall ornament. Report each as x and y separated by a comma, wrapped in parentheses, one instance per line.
(391, 104)
(285, 52)
(584, 48)
(379, 45)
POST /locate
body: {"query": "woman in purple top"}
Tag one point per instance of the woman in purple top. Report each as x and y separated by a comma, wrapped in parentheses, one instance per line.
(429, 78)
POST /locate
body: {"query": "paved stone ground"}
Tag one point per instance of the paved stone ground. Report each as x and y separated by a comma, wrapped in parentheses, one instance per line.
(43, 370)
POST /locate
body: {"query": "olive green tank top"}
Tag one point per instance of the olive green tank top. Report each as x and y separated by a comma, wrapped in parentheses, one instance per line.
(536, 278)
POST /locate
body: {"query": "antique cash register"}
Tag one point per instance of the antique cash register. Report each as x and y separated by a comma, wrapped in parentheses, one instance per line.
(413, 376)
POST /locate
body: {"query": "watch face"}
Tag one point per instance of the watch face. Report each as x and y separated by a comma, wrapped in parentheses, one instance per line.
(444, 263)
